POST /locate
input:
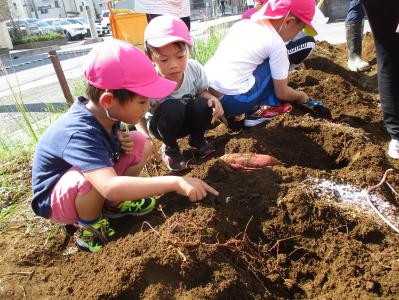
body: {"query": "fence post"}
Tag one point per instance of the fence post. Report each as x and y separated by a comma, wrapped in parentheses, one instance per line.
(61, 77)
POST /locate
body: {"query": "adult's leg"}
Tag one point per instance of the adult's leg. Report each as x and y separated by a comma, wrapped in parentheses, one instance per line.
(198, 118)
(187, 21)
(354, 34)
(383, 17)
(151, 16)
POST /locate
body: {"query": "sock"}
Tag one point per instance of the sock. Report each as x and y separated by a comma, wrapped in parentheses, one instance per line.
(82, 222)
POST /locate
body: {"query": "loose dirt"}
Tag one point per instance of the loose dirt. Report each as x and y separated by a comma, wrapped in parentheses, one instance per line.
(301, 229)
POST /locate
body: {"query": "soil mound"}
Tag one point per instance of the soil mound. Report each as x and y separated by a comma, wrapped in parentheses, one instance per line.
(301, 229)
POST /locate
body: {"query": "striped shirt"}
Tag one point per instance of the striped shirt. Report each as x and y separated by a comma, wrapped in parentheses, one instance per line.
(178, 8)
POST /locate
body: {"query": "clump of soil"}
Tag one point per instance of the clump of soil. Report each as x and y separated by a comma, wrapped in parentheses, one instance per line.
(301, 229)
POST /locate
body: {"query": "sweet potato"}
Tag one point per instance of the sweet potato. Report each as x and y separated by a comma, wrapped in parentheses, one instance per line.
(248, 161)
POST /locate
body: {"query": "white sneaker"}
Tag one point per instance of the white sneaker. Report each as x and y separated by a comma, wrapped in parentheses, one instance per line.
(393, 149)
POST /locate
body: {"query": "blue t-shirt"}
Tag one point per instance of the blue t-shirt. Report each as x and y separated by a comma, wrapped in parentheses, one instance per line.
(78, 140)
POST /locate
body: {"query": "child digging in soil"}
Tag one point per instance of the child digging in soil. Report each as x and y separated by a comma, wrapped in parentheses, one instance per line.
(189, 110)
(85, 169)
(250, 67)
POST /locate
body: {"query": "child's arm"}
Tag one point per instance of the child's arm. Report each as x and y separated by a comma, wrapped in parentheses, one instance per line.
(121, 188)
(214, 103)
(287, 93)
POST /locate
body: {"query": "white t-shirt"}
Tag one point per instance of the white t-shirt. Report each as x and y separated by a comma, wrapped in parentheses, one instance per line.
(178, 8)
(247, 45)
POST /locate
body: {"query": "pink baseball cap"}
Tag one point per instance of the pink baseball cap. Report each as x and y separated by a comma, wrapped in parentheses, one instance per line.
(166, 29)
(276, 9)
(116, 64)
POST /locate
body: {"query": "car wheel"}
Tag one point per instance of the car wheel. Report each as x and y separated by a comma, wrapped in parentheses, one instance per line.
(109, 28)
(68, 36)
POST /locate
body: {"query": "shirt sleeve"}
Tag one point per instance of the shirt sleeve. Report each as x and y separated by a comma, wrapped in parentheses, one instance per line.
(279, 63)
(88, 152)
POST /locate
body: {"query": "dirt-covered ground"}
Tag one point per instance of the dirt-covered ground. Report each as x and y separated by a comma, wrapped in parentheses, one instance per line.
(301, 229)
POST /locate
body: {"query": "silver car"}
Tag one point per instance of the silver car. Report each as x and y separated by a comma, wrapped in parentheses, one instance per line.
(23, 26)
(69, 29)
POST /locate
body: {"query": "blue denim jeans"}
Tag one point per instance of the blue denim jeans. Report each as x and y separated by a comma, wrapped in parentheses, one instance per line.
(355, 11)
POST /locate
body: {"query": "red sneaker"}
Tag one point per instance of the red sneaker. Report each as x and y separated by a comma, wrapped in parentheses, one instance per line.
(265, 113)
(273, 111)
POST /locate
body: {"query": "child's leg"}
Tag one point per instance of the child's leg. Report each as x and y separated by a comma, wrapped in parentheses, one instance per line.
(198, 118)
(73, 198)
(132, 165)
(261, 93)
(167, 124)
(299, 49)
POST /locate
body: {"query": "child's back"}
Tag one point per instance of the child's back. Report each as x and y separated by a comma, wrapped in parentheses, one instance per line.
(247, 45)
(249, 70)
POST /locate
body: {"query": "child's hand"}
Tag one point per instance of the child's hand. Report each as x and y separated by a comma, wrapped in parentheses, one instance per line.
(126, 141)
(195, 189)
(303, 97)
(217, 107)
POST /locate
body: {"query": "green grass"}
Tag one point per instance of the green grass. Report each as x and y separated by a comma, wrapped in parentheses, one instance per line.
(37, 38)
(8, 211)
(204, 49)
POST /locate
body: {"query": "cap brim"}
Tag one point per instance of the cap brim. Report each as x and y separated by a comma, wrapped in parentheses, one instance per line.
(309, 30)
(158, 89)
(162, 41)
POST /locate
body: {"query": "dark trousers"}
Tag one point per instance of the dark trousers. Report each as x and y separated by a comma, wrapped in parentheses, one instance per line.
(383, 17)
(186, 20)
(177, 118)
(299, 49)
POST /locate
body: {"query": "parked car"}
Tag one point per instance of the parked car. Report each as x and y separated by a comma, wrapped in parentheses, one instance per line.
(52, 22)
(45, 27)
(71, 30)
(86, 24)
(104, 20)
(23, 26)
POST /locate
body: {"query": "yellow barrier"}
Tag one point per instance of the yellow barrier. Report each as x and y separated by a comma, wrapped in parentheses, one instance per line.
(127, 25)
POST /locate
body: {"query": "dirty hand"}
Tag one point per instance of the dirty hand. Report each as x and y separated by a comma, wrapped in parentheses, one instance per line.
(127, 142)
(303, 98)
(217, 107)
(195, 189)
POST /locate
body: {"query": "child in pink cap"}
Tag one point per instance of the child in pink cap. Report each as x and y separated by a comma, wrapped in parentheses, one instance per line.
(188, 111)
(250, 11)
(85, 168)
(249, 70)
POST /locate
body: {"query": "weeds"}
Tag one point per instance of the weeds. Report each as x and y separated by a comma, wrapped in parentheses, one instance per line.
(204, 49)
(8, 211)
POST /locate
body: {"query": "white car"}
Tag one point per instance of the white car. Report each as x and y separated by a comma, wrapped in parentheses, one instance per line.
(104, 20)
(70, 29)
(86, 24)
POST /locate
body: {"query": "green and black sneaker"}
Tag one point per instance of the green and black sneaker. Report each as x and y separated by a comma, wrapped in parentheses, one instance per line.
(131, 208)
(95, 236)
